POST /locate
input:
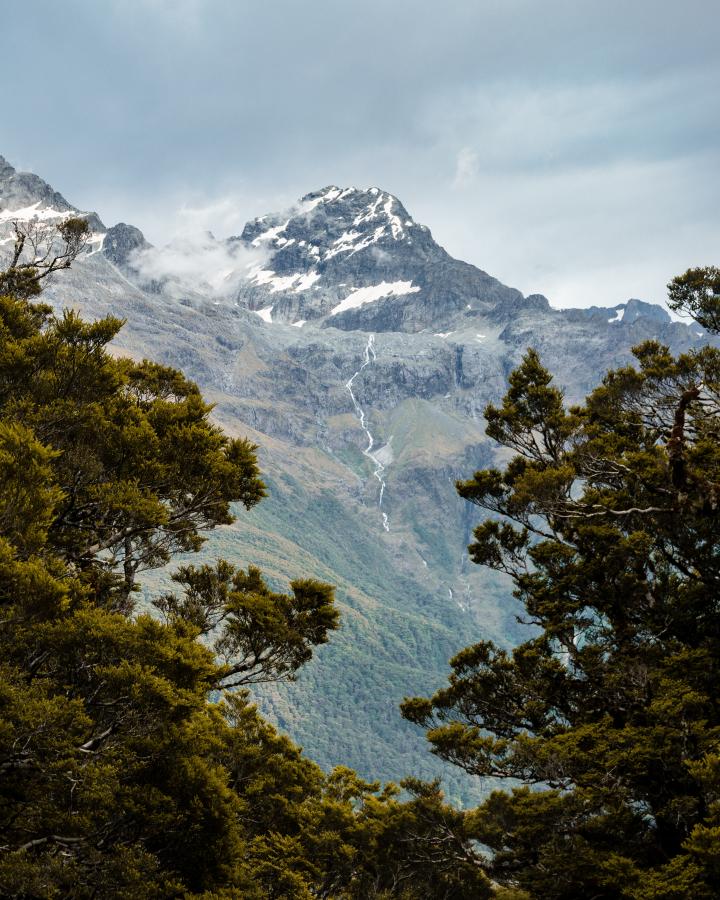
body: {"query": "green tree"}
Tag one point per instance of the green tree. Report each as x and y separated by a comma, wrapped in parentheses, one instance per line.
(261, 635)
(606, 520)
(141, 469)
(112, 782)
(39, 250)
(119, 777)
(697, 294)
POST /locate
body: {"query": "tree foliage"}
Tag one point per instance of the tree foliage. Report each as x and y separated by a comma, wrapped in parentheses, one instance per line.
(119, 775)
(696, 293)
(606, 520)
(39, 249)
(261, 635)
(140, 469)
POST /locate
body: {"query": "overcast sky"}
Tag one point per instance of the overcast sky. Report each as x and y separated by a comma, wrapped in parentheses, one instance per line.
(568, 148)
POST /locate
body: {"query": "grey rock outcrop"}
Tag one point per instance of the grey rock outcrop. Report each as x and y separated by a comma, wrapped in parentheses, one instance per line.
(636, 309)
(121, 241)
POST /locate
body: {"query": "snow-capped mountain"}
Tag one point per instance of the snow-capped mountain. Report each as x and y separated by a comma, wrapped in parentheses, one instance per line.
(25, 197)
(359, 355)
(358, 260)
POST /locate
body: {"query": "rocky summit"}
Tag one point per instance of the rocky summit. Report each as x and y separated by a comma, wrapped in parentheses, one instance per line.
(357, 260)
(359, 356)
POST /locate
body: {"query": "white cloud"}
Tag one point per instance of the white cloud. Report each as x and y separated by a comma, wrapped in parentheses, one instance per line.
(222, 217)
(199, 262)
(466, 167)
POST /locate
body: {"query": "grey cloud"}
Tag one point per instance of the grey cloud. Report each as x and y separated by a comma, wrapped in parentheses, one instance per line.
(567, 147)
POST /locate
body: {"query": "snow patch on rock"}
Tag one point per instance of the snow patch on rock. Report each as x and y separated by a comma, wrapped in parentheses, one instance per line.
(95, 243)
(32, 213)
(306, 281)
(352, 242)
(300, 281)
(333, 193)
(395, 221)
(374, 292)
(270, 235)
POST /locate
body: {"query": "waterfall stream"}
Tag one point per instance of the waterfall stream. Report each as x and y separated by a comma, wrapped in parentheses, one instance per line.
(370, 356)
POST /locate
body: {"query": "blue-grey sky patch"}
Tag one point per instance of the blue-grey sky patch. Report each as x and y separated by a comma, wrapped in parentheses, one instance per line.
(569, 148)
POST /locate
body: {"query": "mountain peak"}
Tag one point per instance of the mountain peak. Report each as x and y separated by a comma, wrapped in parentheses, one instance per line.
(334, 222)
(635, 308)
(356, 258)
(6, 170)
(24, 191)
(26, 196)
(360, 210)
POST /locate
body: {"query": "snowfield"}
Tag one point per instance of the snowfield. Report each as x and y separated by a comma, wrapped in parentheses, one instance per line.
(374, 292)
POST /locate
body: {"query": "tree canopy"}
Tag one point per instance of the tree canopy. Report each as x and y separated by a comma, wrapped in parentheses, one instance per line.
(606, 719)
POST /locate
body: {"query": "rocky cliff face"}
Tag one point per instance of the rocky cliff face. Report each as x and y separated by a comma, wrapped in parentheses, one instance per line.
(359, 355)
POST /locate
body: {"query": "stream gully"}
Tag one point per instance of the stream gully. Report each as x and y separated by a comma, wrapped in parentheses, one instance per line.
(370, 356)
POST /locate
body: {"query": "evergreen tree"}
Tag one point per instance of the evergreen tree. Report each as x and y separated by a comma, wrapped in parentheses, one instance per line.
(606, 520)
(118, 775)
